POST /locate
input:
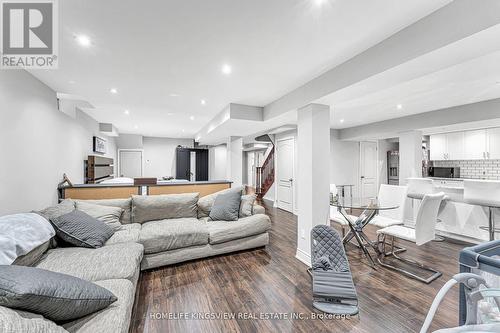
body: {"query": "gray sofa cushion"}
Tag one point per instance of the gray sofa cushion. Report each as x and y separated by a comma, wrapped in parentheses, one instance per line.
(164, 235)
(80, 229)
(16, 321)
(32, 257)
(222, 231)
(159, 207)
(125, 204)
(115, 318)
(58, 297)
(258, 209)
(127, 233)
(117, 261)
(107, 214)
(246, 206)
(226, 207)
(205, 203)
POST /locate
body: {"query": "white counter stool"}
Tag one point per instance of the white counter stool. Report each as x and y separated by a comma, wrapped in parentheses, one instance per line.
(336, 216)
(392, 195)
(484, 193)
(425, 231)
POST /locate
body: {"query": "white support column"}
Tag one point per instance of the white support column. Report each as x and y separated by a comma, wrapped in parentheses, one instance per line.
(410, 155)
(313, 150)
(234, 164)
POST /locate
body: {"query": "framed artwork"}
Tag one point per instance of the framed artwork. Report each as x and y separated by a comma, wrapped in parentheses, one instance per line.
(99, 145)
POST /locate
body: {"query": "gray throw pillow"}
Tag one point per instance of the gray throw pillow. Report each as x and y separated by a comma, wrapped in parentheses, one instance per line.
(80, 229)
(56, 296)
(205, 203)
(65, 207)
(246, 207)
(109, 215)
(226, 207)
(125, 204)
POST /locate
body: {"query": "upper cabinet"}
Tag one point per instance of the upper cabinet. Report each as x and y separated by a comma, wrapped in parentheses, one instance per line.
(493, 135)
(475, 145)
(449, 146)
(466, 145)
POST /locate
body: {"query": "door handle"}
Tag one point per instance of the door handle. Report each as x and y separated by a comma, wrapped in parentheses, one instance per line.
(290, 180)
(362, 177)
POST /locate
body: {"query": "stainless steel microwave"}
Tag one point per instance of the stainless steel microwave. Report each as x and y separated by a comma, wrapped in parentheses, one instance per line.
(441, 172)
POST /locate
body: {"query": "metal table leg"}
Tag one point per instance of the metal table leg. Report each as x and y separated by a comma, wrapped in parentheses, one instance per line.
(357, 232)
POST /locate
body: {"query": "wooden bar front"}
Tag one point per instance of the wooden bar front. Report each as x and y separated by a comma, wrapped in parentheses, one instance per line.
(203, 189)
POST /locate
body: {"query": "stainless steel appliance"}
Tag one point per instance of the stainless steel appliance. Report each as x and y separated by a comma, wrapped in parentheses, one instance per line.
(442, 172)
(393, 167)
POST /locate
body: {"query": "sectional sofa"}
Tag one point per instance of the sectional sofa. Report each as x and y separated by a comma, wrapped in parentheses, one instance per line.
(155, 232)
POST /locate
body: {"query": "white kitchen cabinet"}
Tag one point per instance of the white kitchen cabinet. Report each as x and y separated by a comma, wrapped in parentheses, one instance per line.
(455, 146)
(475, 145)
(449, 146)
(438, 147)
(493, 140)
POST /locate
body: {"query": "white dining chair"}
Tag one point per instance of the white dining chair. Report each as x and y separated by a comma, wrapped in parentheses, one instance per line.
(424, 232)
(391, 195)
(484, 193)
(335, 216)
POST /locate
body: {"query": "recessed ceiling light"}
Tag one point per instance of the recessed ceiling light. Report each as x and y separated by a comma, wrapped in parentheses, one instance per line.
(183, 131)
(203, 102)
(192, 117)
(83, 40)
(399, 106)
(71, 82)
(226, 69)
(319, 2)
(170, 113)
(113, 91)
(136, 126)
(174, 95)
(341, 121)
(127, 112)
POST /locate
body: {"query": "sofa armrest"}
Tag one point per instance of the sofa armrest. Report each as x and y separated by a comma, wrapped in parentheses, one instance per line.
(258, 209)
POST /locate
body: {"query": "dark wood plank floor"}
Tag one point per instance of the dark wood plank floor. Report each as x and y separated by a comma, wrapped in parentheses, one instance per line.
(271, 281)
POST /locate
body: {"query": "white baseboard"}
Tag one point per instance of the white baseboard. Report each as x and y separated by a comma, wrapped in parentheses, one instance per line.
(303, 257)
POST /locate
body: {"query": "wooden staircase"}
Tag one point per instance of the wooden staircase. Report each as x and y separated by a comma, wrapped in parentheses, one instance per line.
(265, 175)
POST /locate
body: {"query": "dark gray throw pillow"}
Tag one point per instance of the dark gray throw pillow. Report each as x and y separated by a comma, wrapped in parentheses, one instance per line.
(226, 206)
(80, 229)
(58, 297)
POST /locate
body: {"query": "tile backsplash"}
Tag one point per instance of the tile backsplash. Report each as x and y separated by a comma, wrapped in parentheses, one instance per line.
(475, 169)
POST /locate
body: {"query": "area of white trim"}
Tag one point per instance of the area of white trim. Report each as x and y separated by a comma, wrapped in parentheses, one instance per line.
(303, 257)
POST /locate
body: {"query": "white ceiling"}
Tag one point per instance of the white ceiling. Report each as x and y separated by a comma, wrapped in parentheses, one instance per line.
(151, 50)
(465, 72)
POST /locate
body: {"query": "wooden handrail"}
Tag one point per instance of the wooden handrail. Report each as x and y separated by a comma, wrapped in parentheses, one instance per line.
(265, 174)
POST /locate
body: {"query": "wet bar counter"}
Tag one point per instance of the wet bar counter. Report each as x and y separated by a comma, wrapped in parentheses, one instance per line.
(121, 191)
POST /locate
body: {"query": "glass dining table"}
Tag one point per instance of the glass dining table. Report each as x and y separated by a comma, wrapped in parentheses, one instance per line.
(369, 208)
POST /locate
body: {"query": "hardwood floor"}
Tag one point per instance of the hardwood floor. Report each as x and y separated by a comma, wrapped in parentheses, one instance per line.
(270, 281)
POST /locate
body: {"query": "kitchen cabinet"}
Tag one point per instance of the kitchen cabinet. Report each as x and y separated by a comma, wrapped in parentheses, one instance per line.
(466, 145)
(449, 146)
(475, 145)
(493, 137)
(455, 146)
(438, 147)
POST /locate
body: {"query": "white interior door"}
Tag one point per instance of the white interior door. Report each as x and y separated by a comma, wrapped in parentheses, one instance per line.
(285, 176)
(368, 171)
(131, 163)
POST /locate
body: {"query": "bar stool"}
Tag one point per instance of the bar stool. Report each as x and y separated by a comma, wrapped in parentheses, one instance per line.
(484, 193)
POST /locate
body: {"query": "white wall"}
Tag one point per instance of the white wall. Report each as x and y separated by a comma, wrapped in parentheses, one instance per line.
(217, 159)
(38, 143)
(129, 141)
(344, 163)
(160, 157)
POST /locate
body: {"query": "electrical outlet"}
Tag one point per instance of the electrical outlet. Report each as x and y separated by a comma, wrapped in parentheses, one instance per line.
(303, 233)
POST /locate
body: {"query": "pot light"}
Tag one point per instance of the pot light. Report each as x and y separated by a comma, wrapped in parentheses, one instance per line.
(170, 114)
(203, 102)
(71, 81)
(127, 112)
(136, 126)
(183, 131)
(83, 40)
(399, 106)
(341, 121)
(113, 91)
(226, 69)
(319, 2)
(192, 117)
(174, 95)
